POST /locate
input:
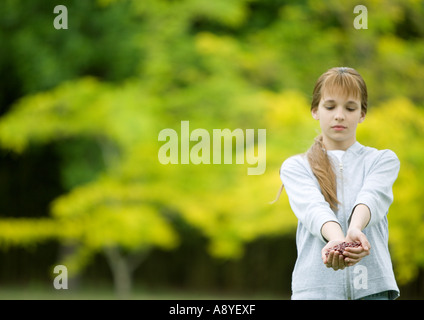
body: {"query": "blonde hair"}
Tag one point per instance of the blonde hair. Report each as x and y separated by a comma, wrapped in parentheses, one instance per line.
(350, 83)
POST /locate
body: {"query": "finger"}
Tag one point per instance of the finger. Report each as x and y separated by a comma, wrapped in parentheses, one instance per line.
(357, 253)
(354, 257)
(339, 261)
(353, 250)
(364, 242)
(329, 259)
(366, 246)
(324, 256)
(342, 264)
(350, 262)
(336, 259)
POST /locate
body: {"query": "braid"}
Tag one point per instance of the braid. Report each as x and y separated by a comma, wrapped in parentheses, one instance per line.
(323, 171)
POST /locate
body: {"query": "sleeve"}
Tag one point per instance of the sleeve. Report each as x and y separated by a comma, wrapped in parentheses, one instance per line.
(305, 197)
(376, 192)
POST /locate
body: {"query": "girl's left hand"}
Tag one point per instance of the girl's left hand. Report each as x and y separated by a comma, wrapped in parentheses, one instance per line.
(354, 255)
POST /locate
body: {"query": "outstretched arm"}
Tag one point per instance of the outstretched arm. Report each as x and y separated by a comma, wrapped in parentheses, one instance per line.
(359, 220)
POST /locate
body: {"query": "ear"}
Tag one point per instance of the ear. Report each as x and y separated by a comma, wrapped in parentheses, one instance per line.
(362, 118)
(315, 114)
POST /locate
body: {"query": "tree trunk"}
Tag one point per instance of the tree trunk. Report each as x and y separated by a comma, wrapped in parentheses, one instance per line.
(123, 267)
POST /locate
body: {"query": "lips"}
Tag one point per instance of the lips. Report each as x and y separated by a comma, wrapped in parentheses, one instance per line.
(338, 128)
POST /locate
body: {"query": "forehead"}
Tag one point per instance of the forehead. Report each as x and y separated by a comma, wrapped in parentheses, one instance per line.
(340, 95)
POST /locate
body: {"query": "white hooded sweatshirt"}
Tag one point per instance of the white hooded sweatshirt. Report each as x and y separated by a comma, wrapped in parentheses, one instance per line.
(365, 175)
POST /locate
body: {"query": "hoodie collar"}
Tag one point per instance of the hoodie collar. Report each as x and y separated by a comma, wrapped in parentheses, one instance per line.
(355, 148)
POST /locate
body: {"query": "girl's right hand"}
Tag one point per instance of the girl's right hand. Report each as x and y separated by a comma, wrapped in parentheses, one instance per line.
(334, 259)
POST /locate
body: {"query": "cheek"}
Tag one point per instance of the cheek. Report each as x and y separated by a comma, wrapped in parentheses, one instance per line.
(325, 117)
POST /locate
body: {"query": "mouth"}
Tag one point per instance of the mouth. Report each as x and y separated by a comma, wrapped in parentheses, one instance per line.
(338, 128)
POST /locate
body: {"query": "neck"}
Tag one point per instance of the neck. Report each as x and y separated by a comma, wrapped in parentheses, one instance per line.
(337, 145)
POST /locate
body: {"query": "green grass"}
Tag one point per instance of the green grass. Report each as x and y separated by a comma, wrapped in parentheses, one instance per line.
(104, 292)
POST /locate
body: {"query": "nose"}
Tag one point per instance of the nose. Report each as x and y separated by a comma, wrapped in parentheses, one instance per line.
(339, 116)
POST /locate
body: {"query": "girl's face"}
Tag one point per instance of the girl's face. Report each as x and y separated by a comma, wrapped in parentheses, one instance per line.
(339, 116)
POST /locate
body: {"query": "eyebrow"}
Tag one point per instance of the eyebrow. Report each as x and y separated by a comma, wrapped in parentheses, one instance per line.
(350, 102)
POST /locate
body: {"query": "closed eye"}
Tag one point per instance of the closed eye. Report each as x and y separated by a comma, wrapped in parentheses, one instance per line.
(351, 106)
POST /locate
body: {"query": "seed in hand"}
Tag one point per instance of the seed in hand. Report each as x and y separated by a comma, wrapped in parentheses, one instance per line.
(342, 246)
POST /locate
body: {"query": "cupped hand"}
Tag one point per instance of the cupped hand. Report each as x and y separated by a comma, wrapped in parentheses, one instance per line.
(334, 259)
(350, 255)
(354, 255)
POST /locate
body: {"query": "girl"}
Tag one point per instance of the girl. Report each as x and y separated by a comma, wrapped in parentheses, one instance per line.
(341, 191)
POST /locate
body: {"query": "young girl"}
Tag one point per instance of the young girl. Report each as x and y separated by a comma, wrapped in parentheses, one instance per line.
(341, 191)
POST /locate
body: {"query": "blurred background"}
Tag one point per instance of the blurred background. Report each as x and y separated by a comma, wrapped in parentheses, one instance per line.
(80, 113)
